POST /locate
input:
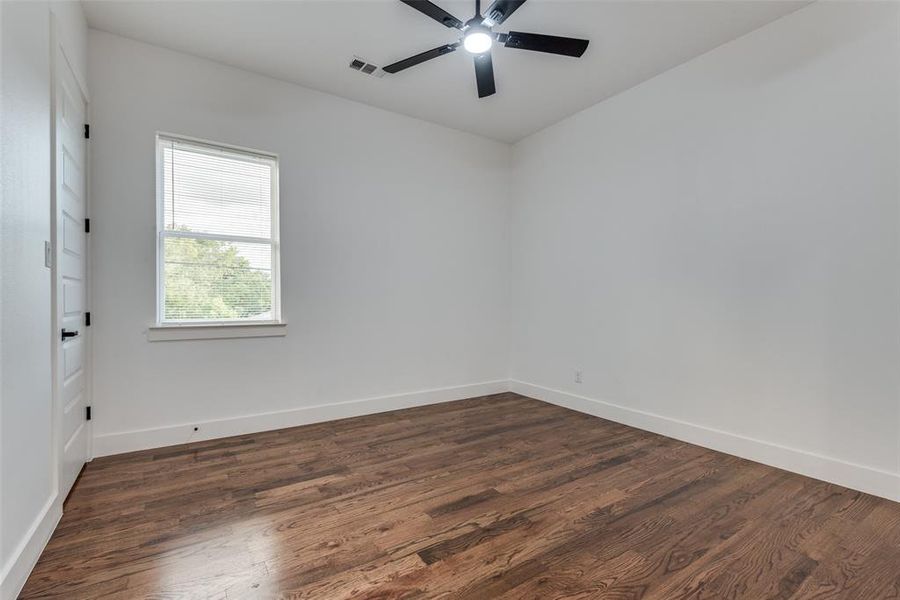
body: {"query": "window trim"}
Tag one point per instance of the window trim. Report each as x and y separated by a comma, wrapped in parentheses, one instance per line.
(215, 331)
(193, 329)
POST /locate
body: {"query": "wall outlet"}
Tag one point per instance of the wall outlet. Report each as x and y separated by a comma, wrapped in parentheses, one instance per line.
(577, 376)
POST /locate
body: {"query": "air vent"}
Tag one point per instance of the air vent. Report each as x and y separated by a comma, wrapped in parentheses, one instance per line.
(361, 65)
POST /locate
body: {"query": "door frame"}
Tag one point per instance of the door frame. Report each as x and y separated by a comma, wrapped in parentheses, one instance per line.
(59, 52)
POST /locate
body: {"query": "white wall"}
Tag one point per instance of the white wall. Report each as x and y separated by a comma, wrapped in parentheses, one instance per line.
(394, 254)
(29, 506)
(25, 224)
(717, 249)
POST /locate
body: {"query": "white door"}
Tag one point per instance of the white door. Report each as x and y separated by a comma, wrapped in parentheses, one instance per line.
(70, 271)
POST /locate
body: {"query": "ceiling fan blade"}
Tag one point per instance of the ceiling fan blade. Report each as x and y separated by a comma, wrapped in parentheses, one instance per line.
(545, 43)
(435, 12)
(484, 74)
(499, 11)
(421, 57)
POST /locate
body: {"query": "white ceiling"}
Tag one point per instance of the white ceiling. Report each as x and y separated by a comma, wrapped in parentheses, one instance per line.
(312, 42)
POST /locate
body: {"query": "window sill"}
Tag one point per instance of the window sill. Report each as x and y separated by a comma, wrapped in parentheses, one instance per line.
(214, 331)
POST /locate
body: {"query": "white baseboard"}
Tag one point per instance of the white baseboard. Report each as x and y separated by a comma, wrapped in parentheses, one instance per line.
(25, 556)
(859, 477)
(128, 441)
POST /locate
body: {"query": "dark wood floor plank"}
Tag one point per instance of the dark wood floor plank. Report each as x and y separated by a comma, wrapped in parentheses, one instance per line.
(494, 497)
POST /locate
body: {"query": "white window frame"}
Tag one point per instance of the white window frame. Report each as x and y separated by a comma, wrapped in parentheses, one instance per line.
(171, 329)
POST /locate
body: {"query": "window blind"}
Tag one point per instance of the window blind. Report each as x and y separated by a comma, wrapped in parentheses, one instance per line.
(217, 236)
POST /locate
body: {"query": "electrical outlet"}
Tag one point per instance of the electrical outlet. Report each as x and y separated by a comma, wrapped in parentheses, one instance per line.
(577, 376)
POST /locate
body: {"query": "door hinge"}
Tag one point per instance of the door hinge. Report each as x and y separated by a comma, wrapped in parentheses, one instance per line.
(87, 319)
(87, 225)
(87, 131)
(87, 413)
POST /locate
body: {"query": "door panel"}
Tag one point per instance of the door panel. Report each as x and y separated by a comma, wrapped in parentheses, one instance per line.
(73, 297)
(70, 273)
(72, 178)
(72, 425)
(72, 357)
(73, 238)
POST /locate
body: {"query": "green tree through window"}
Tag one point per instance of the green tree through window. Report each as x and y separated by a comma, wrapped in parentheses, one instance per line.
(211, 280)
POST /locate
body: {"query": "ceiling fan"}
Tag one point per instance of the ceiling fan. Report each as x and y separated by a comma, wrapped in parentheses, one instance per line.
(478, 38)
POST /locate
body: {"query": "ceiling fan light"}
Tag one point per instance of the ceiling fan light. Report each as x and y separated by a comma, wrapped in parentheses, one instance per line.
(477, 42)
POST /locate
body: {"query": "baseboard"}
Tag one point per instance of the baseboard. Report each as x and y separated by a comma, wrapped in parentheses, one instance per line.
(874, 481)
(128, 441)
(859, 477)
(25, 556)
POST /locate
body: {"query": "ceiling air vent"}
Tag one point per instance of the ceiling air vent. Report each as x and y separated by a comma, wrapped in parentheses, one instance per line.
(360, 64)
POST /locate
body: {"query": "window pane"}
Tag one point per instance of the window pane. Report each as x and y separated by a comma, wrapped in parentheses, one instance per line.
(216, 192)
(215, 280)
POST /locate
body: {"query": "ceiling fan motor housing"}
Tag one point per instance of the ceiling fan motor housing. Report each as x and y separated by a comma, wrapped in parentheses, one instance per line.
(476, 22)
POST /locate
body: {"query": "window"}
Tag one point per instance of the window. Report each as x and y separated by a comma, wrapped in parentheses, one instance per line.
(217, 227)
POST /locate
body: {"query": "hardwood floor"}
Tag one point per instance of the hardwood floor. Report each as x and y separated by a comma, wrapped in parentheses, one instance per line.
(496, 497)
